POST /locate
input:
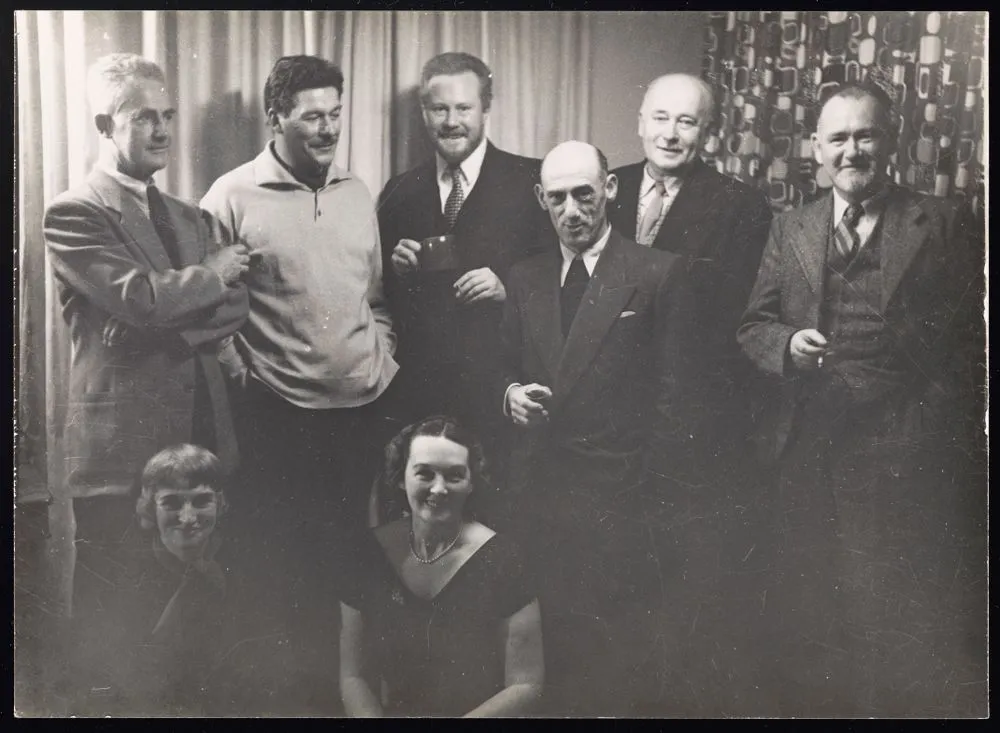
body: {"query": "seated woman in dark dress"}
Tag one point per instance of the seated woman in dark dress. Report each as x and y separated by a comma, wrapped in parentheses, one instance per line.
(438, 618)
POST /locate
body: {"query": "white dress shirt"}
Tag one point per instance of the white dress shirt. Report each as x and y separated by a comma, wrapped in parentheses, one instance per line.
(646, 192)
(469, 170)
(866, 225)
(589, 257)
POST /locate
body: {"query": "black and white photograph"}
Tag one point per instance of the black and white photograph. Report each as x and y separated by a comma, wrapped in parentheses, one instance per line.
(486, 363)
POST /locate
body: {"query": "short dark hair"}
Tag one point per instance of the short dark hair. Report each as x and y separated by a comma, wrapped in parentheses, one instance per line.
(602, 162)
(456, 62)
(860, 90)
(397, 453)
(293, 74)
(179, 467)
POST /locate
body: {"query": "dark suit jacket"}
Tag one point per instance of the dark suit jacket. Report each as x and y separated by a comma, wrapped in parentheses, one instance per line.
(500, 223)
(931, 262)
(618, 408)
(719, 225)
(127, 401)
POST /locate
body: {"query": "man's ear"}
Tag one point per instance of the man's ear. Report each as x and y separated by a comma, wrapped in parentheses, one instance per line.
(274, 120)
(611, 187)
(105, 124)
(817, 153)
(540, 195)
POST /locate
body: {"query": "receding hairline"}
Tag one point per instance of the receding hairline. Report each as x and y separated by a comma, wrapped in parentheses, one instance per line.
(707, 92)
(883, 105)
(566, 147)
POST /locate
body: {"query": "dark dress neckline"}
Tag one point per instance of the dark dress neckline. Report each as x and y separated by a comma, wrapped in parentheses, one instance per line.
(399, 581)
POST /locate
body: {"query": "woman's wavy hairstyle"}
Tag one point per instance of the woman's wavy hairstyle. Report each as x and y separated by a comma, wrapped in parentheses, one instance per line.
(183, 466)
(397, 453)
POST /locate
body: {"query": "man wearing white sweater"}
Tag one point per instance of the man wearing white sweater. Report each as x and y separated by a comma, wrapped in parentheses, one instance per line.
(316, 354)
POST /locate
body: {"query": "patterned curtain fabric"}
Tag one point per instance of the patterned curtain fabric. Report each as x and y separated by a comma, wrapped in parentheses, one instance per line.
(773, 69)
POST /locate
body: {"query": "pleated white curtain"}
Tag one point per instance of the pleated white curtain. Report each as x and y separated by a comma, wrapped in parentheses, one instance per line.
(216, 63)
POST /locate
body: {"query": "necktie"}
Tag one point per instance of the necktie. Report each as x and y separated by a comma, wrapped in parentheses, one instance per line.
(846, 236)
(572, 292)
(644, 234)
(455, 199)
(164, 226)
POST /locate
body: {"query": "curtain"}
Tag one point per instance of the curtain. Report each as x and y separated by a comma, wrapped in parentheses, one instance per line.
(216, 63)
(772, 69)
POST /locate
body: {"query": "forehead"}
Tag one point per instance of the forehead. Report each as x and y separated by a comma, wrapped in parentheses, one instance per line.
(146, 94)
(321, 98)
(182, 494)
(436, 449)
(676, 96)
(462, 87)
(566, 172)
(849, 113)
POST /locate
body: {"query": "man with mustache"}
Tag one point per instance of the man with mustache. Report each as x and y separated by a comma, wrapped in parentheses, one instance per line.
(147, 290)
(482, 196)
(316, 353)
(595, 346)
(672, 201)
(867, 311)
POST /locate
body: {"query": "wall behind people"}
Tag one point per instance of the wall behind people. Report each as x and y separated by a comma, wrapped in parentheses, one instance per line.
(630, 50)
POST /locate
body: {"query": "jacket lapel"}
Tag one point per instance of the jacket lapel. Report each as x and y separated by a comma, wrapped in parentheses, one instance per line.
(543, 315)
(606, 295)
(811, 243)
(902, 235)
(677, 232)
(627, 200)
(136, 224)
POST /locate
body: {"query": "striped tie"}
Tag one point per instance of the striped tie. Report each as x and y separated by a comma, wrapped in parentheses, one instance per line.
(455, 199)
(846, 236)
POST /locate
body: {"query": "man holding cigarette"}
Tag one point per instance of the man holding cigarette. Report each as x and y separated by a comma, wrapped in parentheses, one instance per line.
(596, 354)
(867, 309)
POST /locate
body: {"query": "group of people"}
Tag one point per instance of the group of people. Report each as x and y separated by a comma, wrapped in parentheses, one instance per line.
(522, 424)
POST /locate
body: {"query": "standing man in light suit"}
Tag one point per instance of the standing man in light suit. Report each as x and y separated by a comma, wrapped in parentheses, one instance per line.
(867, 311)
(595, 344)
(148, 292)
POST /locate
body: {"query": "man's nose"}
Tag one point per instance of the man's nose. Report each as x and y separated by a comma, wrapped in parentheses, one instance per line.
(438, 487)
(571, 208)
(451, 118)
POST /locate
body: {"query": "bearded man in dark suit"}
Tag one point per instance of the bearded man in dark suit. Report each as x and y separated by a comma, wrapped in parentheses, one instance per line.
(483, 198)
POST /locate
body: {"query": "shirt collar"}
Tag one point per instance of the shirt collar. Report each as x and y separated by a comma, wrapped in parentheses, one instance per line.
(591, 255)
(671, 187)
(268, 171)
(871, 205)
(132, 185)
(470, 167)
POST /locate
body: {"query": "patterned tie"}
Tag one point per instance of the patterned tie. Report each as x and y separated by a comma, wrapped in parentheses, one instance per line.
(456, 198)
(652, 215)
(160, 217)
(572, 292)
(846, 236)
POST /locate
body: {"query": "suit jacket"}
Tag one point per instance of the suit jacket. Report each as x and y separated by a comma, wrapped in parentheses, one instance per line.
(719, 225)
(931, 271)
(500, 223)
(618, 404)
(128, 400)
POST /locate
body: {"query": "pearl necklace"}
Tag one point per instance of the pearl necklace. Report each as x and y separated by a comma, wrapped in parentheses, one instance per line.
(438, 556)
